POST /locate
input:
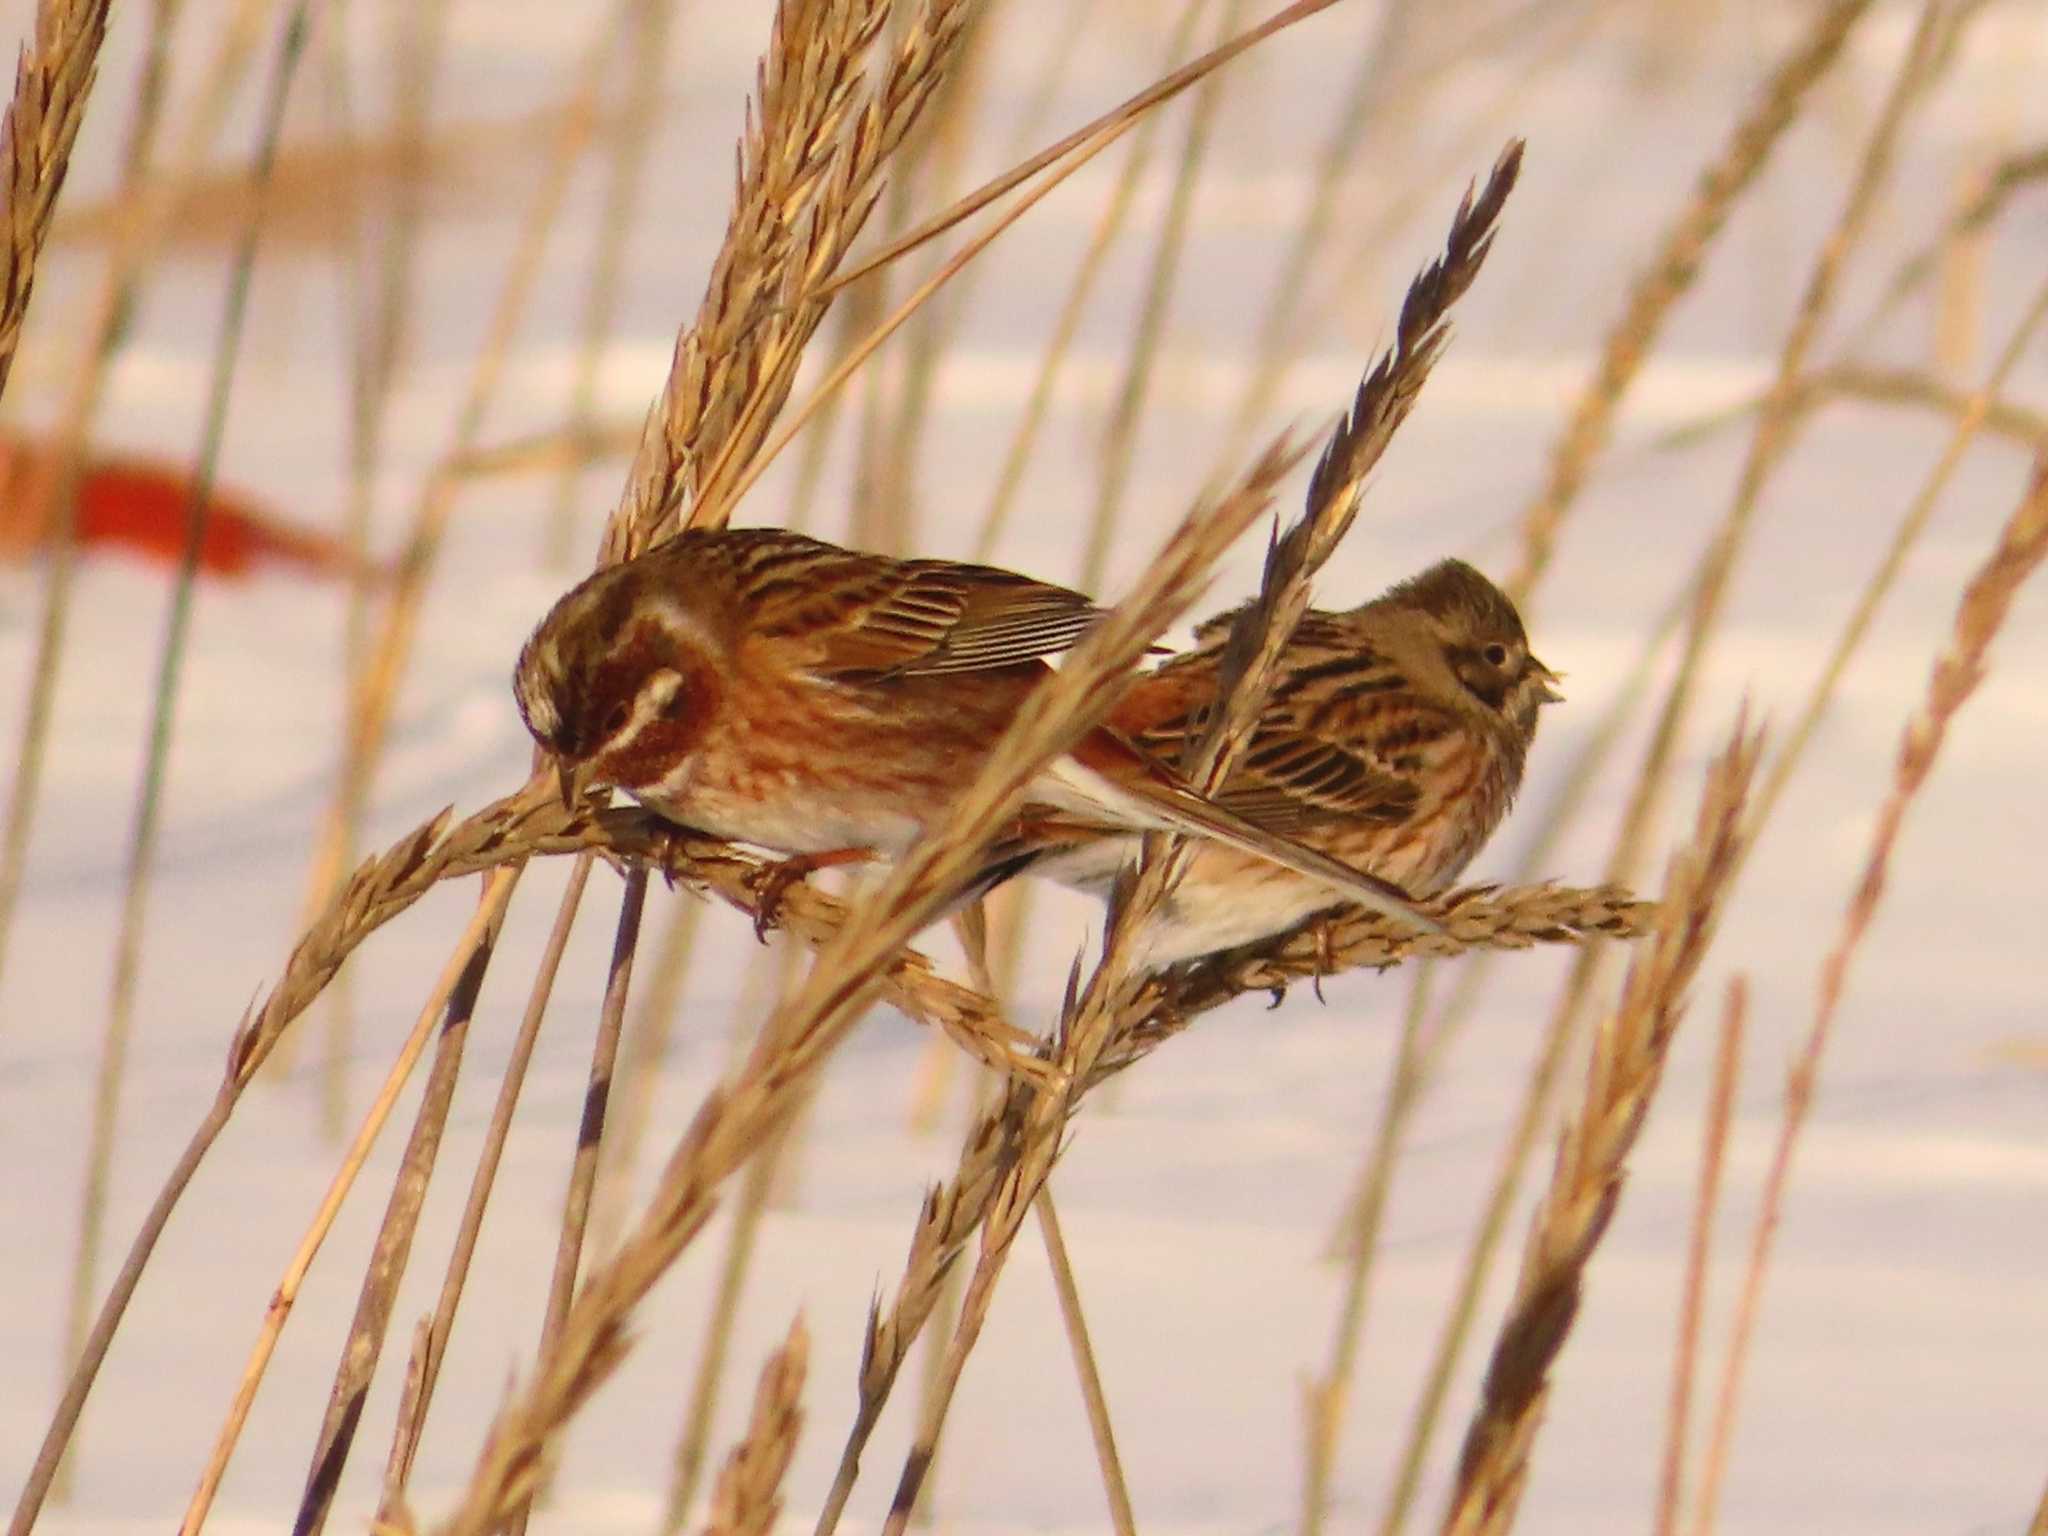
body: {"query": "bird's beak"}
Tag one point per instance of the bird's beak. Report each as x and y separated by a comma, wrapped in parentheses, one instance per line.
(566, 776)
(1547, 681)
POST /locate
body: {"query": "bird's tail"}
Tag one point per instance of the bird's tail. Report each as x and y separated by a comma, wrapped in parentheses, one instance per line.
(1148, 787)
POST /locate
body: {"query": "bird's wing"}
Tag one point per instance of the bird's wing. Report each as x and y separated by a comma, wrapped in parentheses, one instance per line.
(1295, 770)
(924, 617)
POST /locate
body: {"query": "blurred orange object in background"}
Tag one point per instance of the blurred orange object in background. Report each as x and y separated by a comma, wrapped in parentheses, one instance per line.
(137, 505)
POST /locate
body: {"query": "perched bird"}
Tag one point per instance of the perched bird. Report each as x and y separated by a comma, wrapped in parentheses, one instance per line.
(769, 688)
(1393, 740)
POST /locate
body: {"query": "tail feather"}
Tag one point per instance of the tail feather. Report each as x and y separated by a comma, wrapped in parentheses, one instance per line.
(1190, 812)
(1145, 784)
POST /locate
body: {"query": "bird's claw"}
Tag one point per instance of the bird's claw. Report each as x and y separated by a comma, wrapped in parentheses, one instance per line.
(774, 881)
(770, 886)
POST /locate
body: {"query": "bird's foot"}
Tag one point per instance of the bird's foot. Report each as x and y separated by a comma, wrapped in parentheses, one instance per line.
(774, 880)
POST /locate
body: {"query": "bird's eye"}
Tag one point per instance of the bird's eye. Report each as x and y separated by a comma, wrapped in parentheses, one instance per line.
(615, 721)
(1496, 655)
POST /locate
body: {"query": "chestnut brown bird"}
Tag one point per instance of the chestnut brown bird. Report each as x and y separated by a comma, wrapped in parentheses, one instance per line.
(1393, 740)
(770, 688)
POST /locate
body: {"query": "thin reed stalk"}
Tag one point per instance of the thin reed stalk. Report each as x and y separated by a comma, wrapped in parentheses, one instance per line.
(432, 1347)
(604, 1057)
(381, 309)
(388, 1255)
(375, 689)
(319, 955)
(477, 938)
(1974, 415)
(136, 237)
(645, 1048)
(1119, 442)
(1364, 102)
(1957, 672)
(1059, 340)
(1775, 427)
(1622, 1078)
(769, 983)
(1698, 1250)
(1160, 91)
(1086, 1372)
(694, 1443)
(1680, 254)
(140, 860)
(644, 44)
(1324, 1397)
(950, 1214)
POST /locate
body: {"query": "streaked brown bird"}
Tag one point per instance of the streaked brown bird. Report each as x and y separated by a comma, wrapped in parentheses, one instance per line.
(1393, 739)
(770, 688)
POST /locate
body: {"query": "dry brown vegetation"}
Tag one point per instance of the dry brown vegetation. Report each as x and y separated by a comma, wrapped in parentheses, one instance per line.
(850, 217)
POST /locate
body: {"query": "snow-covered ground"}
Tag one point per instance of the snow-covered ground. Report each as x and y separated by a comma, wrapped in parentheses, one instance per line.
(1896, 1385)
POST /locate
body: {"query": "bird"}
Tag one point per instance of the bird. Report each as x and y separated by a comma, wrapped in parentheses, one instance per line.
(770, 688)
(1393, 739)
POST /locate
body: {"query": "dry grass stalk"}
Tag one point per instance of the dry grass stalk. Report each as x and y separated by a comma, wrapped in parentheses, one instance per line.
(951, 1214)
(1904, 538)
(2022, 545)
(1708, 592)
(749, 1493)
(103, 330)
(1379, 64)
(1622, 1079)
(375, 686)
(1679, 256)
(1324, 1397)
(1699, 1246)
(1475, 918)
(326, 187)
(531, 823)
(455, 977)
(1059, 340)
(1887, 386)
(381, 287)
(1774, 430)
(1869, 384)
(431, 1348)
(139, 862)
(604, 1056)
(1093, 1398)
(646, 48)
(1159, 92)
(393, 1514)
(646, 1047)
(1119, 441)
(732, 1123)
(694, 1442)
(52, 80)
(2011, 175)
(393, 1246)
